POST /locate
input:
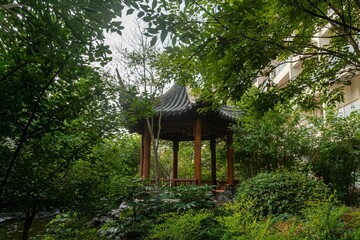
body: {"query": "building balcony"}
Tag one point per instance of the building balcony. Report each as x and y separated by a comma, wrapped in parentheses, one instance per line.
(346, 109)
(281, 74)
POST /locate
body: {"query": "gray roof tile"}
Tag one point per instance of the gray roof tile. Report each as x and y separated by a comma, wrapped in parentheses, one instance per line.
(177, 101)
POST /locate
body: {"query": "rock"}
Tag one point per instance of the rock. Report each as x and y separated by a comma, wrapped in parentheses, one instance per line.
(114, 213)
(223, 199)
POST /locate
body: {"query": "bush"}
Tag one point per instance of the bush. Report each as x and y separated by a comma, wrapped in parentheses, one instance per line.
(190, 225)
(194, 197)
(269, 140)
(147, 204)
(281, 192)
(239, 222)
(69, 226)
(336, 156)
(323, 221)
(320, 220)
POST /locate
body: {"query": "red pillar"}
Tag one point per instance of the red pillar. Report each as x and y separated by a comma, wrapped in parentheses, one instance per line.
(197, 137)
(142, 156)
(230, 158)
(146, 157)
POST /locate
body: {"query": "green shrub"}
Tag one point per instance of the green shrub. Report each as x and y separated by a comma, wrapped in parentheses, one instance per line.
(134, 227)
(281, 192)
(336, 153)
(190, 225)
(148, 203)
(320, 220)
(70, 226)
(194, 197)
(145, 205)
(323, 222)
(240, 222)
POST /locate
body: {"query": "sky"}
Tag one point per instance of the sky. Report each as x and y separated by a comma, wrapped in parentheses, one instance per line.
(114, 39)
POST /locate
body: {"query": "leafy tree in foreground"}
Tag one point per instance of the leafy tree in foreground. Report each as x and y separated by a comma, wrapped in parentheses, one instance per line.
(45, 46)
(53, 107)
(226, 44)
(70, 121)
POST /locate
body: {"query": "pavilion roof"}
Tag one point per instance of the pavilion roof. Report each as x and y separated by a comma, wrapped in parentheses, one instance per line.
(178, 101)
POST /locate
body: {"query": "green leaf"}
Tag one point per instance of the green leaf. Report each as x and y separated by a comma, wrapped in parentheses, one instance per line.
(140, 14)
(129, 11)
(154, 4)
(174, 40)
(163, 35)
(153, 41)
(144, 7)
(152, 30)
(134, 4)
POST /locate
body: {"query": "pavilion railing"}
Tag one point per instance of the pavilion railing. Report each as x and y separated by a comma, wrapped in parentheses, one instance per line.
(173, 182)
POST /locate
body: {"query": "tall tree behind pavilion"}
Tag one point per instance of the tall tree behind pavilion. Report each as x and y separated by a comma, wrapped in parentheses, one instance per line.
(137, 63)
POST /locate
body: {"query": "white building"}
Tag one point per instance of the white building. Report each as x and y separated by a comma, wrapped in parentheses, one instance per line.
(289, 70)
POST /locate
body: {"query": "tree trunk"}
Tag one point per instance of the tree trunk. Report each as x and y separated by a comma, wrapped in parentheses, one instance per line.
(29, 217)
(155, 143)
(156, 161)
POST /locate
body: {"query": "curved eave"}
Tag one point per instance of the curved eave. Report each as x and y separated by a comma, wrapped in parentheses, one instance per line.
(229, 113)
(175, 102)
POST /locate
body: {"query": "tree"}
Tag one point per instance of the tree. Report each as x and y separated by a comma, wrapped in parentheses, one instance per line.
(326, 146)
(143, 86)
(72, 119)
(93, 184)
(53, 106)
(45, 45)
(225, 45)
(270, 141)
(336, 153)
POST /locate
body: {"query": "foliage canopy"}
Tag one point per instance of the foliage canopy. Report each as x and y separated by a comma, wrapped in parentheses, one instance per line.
(225, 45)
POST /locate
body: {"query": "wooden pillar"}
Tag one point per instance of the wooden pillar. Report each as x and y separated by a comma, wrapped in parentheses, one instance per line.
(142, 156)
(175, 160)
(213, 161)
(197, 137)
(230, 158)
(146, 152)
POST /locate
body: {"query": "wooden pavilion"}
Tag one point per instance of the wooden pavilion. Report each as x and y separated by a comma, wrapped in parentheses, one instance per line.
(181, 120)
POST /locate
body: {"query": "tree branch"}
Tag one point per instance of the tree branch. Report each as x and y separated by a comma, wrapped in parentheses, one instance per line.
(344, 31)
(13, 71)
(211, 15)
(329, 19)
(72, 155)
